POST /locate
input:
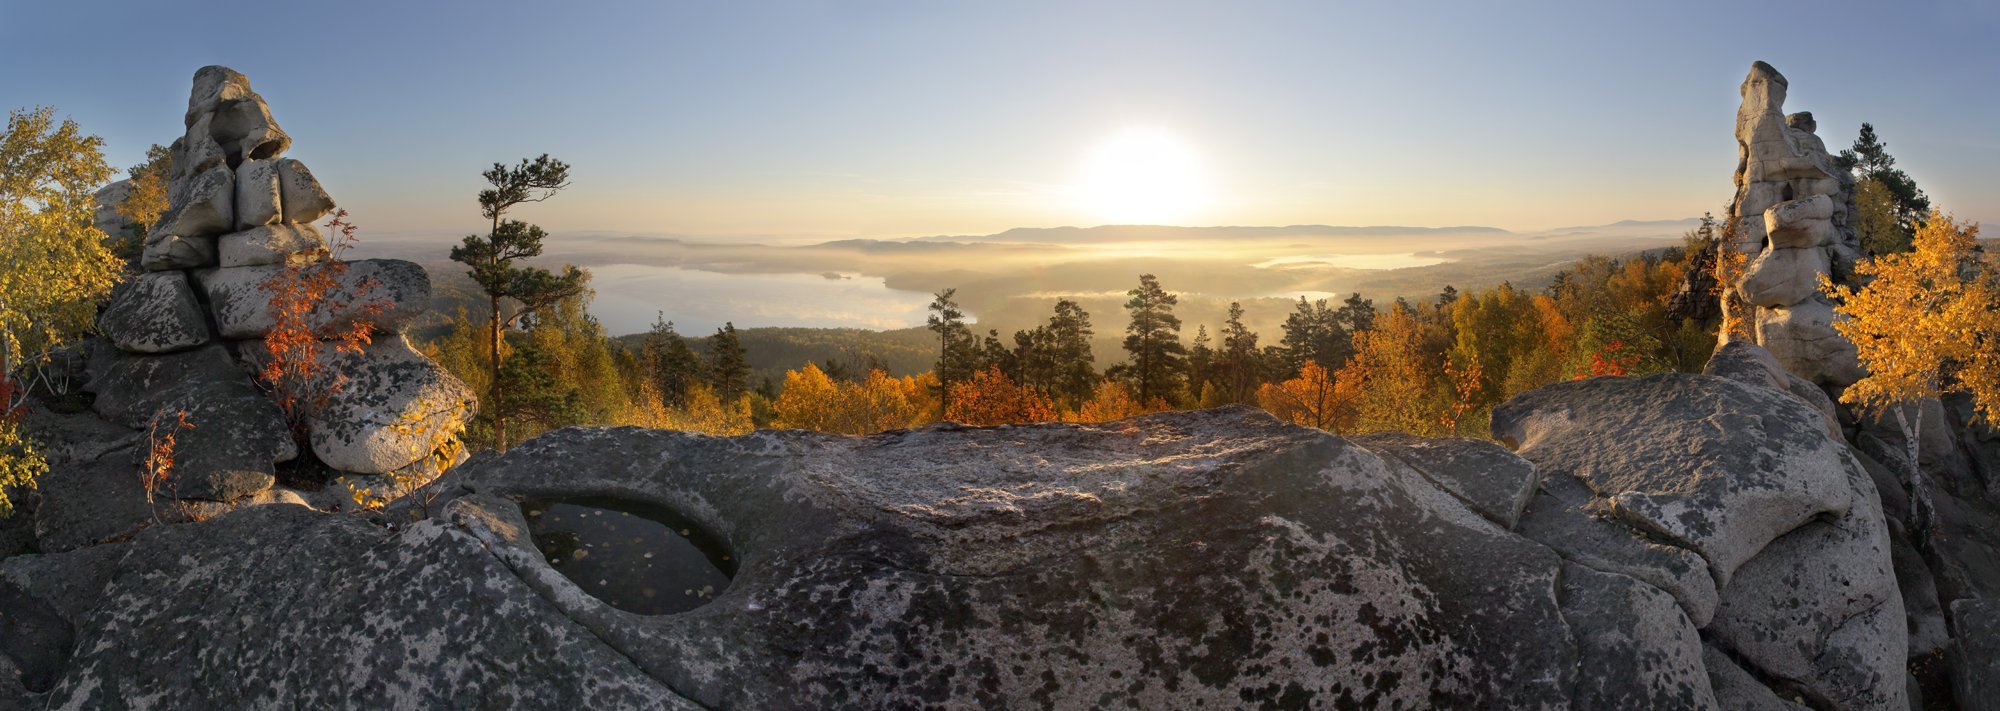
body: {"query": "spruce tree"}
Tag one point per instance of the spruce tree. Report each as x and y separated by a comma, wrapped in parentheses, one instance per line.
(670, 363)
(492, 260)
(1153, 338)
(728, 364)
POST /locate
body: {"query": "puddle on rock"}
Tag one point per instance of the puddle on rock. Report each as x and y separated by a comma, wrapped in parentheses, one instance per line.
(635, 557)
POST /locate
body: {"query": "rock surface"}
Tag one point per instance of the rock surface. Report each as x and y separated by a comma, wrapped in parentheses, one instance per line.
(154, 312)
(397, 408)
(238, 434)
(1214, 558)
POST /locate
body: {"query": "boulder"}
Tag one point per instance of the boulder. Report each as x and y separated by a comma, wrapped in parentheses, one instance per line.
(240, 121)
(1706, 463)
(1820, 610)
(282, 244)
(169, 252)
(1737, 690)
(1802, 337)
(35, 641)
(1571, 520)
(1976, 676)
(203, 206)
(396, 408)
(401, 291)
(303, 198)
(256, 194)
(1802, 223)
(1783, 277)
(154, 312)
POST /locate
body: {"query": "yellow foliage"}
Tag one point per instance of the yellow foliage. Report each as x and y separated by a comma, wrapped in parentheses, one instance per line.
(703, 412)
(1926, 323)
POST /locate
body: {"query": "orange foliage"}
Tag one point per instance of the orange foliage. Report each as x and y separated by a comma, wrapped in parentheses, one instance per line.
(991, 398)
(159, 464)
(313, 318)
(1314, 399)
(1111, 400)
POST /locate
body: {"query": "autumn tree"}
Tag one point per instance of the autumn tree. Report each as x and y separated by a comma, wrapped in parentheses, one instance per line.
(728, 364)
(145, 200)
(493, 259)
(991, 398)
(1153, 340)
(1876, 220)
(54, 265)
(1926, 323)
(1395, 376)
(1313, 399)
(315, 316)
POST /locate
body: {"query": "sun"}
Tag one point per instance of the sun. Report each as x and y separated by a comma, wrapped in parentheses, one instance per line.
(1143, 175)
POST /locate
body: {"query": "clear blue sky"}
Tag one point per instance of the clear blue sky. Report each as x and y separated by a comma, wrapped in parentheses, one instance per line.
(863, 118)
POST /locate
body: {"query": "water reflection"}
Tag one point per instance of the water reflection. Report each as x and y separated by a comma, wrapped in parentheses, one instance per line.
(634, 557)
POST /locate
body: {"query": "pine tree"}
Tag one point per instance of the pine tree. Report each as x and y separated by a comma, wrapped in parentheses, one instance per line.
(1153, 338)
(957, 348)
(1870, 159)
(728, 364)
(1069, 335)
(492, 258)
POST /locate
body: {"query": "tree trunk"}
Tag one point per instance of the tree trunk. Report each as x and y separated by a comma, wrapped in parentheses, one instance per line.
(499, 417)
(1921, 509)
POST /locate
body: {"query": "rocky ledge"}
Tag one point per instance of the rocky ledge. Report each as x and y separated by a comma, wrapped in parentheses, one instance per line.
(1675, 541)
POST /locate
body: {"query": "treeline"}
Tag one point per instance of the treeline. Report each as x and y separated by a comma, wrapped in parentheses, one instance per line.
(1429, 367)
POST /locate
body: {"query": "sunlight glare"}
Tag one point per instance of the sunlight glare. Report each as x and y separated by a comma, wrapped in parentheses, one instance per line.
(1143, 176)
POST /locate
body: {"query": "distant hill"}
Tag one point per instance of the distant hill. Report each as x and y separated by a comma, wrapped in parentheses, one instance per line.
(1104, 234)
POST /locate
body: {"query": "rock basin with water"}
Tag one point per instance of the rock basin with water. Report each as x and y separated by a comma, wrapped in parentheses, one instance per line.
(635, 557)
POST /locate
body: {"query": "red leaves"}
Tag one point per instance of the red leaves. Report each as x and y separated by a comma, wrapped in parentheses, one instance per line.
(314, 317)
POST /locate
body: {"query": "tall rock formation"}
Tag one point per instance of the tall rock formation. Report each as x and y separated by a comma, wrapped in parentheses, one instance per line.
(1792, 226)
(187, 333)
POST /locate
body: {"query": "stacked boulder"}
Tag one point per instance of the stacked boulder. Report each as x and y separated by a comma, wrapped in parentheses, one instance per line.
(185, 335)
(1792, 208)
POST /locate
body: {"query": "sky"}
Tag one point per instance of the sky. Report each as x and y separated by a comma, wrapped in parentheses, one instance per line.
(859, 118)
